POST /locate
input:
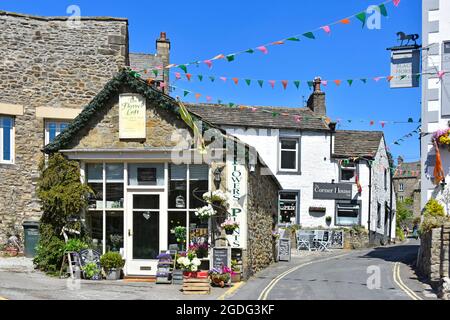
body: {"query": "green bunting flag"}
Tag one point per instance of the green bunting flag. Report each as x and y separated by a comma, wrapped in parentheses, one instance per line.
(219, 101)
(183, 67)
(135, 74)
(250, 51)
(200, 77)
(349, 121)
(293, 39)
(212, 78)
(350, 82)
(383, 10)
(231, 104)
(309, 35)
(185, 93)
(402, 77)
(230, 57)
(155, 72)
(310, 84)
(275, 114)
(364, 80)
(362, 17)
(418, 76)
(297, 83)
(410, 120)
(260, 82)
(248, 81)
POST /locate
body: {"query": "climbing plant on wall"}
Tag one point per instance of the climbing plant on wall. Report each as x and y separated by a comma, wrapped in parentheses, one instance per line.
(63, 199)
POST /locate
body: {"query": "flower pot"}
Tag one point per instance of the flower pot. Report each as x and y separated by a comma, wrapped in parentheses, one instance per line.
(113, 274)
(236, 277)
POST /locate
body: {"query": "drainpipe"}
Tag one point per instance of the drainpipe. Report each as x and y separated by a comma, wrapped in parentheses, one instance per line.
(390, 206)
(370, 198)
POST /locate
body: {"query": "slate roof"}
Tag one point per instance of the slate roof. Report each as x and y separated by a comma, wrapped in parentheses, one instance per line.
(260, 116)
(142, 61)
(408, 170)
(349, 143)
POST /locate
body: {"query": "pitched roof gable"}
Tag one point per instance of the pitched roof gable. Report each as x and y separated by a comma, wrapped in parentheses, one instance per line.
(350, 143)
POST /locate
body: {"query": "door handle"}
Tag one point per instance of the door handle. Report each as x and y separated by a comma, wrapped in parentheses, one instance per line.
(129, 233)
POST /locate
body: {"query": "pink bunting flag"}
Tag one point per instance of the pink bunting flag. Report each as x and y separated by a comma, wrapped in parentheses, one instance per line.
(383, 123)
(324, 82)
(441, 74)
(396, 3)
(208, 63)
(372, 123)
(263, 49)
(223, 79)
(377, 79)
(327, 29)
(272, 83)
(208, 98)
(162, 85)
(284, 83)
(254, 109)
(177, 75)
(297, 118)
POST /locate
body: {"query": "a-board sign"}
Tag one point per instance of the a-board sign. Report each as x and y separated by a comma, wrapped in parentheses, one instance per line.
(284, 249)
(221, 257)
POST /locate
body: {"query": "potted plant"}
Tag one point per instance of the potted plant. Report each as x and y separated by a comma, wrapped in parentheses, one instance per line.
(91, 271)
(216, 197)
(180, 234)
(189, 264)
(236, 271)
(220, 276)
(112, 263)
(205, 212)
(230, 225)
(328, 220)
(200, 249)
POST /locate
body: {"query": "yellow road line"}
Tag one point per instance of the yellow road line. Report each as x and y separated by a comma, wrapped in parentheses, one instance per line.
(398, 280)
(231, 290)
(1, 298)
(266, 291)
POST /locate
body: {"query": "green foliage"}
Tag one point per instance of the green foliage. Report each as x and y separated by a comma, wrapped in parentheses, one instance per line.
(399, 233)
(434, 209)
(90, 270)
(62, 196)
(112, 260)
(180, 234)
(75, 245)
(358, 230)
(404, 213)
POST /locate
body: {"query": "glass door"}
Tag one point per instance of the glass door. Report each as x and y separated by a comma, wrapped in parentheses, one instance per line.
(144, 220)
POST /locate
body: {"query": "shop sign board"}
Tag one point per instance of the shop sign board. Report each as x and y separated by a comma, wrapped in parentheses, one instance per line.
(332, 191)
(132, 116)
(405, 65)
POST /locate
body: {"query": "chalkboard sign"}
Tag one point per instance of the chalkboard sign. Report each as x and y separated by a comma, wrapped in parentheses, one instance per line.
(221, 257)
(284, 249)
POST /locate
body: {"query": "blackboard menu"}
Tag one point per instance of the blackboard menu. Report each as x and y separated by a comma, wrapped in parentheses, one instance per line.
(221, 257)
(284, 249)
(146, 175)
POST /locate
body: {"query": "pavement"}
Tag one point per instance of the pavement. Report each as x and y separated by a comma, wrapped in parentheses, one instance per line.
(370, 274)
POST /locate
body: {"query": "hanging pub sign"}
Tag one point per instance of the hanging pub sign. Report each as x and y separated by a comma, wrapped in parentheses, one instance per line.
(132, 116)
(332, 191)
(405, 65)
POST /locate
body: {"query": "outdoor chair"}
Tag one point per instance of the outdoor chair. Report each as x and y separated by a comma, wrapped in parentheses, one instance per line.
(324, 241)
(304, 240)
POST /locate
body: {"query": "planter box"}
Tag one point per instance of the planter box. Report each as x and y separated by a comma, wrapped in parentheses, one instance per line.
(196, 275)
(236, 278)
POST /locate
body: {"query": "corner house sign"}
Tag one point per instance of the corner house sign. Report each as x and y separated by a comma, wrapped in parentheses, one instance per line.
(132, 120)
(332, 191)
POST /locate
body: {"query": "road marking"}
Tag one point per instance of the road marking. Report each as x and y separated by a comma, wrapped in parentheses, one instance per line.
(266, 291)
(398, 280)
(231, 290)
(1, 298)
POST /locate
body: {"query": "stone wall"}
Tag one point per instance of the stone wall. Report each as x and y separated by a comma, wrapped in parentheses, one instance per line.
(262, 210)
(433, 258)
(45, 62)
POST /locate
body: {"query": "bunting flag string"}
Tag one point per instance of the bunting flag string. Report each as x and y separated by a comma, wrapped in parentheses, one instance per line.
(264, 49)
(406, 136)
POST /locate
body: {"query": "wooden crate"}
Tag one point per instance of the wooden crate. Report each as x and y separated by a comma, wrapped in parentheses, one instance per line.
(196, 286)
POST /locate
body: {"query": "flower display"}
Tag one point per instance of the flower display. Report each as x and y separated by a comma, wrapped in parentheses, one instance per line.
(205, 212)
(189, 262)
(230, 225)
(220, 276)
(442, 136)
(200, 249)
(215, 196)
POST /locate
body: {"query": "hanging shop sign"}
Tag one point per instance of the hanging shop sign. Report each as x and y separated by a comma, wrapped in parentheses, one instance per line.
(132, 116)
(405, 65)
(332, 191)
(237, 195)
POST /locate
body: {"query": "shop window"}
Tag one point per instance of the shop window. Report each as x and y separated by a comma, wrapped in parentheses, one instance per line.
(94, 229)
(146, 174)
(348, 214)
(94, 173)
(198, 185)
(177, 186)
(114, 231)
(6, 139)
(114, 186)
(53, 129)
(176, 219)
(288, 204)
(198, 229)
(348, 172)
(288, 157)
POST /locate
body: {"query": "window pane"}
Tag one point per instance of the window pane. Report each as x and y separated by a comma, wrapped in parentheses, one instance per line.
(94, 226)
(176, 219)
(145, 235)
(96, 199)
(177, 186)
(347, 175)
(198, 172)
(288, 196)
(289, 144)
(288, 160)
(197, 189)
(114, 172)
(347, 215)
(198, 230)
(150, 202)
(7, 124)
(95, 172)
(51, 127)
(114, 231)
(114, 195)
(146, 174)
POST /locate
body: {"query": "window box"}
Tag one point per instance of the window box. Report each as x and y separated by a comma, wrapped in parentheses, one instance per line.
(317, 209)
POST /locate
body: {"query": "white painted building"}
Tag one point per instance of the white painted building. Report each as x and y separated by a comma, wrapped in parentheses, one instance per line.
(435, 91)
(302, 148)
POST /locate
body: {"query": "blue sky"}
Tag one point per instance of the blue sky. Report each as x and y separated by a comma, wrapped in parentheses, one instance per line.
(199, 30)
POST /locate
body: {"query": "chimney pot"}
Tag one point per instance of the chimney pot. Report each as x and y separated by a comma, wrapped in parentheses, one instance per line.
(316, 101)
(162, 36)
(317, 82)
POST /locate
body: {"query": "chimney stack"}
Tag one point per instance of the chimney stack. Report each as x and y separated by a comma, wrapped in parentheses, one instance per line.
(163, 51)
(316, 101)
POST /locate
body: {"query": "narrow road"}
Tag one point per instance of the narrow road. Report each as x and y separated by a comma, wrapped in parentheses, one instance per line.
(383, 273)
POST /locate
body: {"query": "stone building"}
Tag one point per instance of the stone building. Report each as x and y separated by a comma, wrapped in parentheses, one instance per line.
(148, 178)
(312, 160)
(49, 68)
(407, 183)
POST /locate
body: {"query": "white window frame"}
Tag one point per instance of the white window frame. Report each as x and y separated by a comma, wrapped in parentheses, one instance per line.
(280, 152)
(58, 128)
(401, 187)
(11, 143)
(354, 168)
